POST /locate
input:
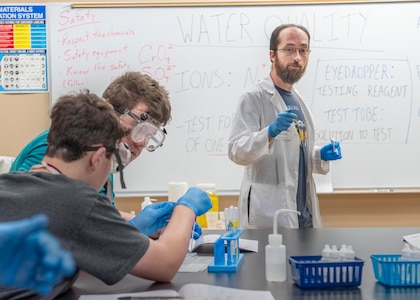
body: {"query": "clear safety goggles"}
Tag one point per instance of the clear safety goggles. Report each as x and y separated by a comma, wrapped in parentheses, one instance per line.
(146, 130)
(119, 160)
(121, 157)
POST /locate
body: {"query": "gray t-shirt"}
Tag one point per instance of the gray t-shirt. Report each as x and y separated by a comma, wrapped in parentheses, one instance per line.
(102, 243)
(305, 218)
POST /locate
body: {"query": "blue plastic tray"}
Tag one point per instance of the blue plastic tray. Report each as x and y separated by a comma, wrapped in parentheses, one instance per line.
(391, 270)
(310, 272)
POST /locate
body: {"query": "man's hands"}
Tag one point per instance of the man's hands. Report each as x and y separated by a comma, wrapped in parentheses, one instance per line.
(331, 151)
(281, 122)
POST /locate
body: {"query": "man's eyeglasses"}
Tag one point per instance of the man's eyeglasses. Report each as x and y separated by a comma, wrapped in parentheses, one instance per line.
(146, 130)
(120, 159)
(289, 51)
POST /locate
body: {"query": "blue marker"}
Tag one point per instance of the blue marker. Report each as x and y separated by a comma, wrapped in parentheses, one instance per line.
(334, 149)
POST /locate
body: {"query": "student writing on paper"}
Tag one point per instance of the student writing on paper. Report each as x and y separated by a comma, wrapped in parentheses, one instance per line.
(143, 106)
(273, 136)
(84, 145)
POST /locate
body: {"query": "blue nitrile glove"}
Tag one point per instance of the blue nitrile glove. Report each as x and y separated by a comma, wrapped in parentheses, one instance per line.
(197, 231)
(55, 264)
(281, 122)
(330, 152)
(196, 199)
(153, 217)
(31, 257)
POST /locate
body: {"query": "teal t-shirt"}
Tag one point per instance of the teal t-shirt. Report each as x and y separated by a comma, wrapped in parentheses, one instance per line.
(34, 152)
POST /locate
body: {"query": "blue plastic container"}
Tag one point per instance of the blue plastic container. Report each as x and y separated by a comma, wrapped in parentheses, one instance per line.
(309, 272)
(227, 256)
(391, 270)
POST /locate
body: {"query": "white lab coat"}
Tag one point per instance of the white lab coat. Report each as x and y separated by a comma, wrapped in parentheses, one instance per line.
(271, 169)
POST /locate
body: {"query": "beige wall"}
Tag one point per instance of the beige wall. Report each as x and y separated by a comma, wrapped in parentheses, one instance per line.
(347, 208)
(23, 116)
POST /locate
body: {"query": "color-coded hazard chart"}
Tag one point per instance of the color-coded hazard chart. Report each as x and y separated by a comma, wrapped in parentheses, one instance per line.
(23, 49)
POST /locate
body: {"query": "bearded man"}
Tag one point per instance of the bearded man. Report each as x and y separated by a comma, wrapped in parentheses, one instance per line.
(273, 137)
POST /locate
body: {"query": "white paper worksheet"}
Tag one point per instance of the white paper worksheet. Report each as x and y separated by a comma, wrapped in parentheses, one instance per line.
(192, 291)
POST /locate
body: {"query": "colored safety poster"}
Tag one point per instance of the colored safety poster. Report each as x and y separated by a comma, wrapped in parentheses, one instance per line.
(23, 49)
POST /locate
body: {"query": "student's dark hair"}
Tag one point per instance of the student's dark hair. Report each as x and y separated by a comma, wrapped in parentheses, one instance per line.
(275, 40)
(127, 90)
(79, 121)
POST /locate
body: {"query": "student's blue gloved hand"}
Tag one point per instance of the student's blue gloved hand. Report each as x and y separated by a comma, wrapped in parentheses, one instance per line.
(153, 217)
(196, 199)
(281, 122)
(49, 263)
(31, 257)
(331, 151)
(197, 231)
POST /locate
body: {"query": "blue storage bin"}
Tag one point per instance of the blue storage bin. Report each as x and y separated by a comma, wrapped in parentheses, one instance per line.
(310, 272)
(391, 270)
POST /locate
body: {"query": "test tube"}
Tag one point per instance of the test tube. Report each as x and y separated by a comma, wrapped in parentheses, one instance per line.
(228, 223)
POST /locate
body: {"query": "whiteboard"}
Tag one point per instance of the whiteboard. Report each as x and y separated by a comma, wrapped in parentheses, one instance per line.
(362, 82)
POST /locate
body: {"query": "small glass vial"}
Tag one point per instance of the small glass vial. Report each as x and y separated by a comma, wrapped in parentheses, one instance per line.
(210, 188)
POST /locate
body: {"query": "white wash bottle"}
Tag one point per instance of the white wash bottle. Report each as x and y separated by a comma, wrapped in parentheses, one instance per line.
(275, 253)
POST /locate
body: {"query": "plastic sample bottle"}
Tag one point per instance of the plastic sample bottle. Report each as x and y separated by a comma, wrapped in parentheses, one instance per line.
(210, 188)
(350, 254)
(334, 254)
(325, 254)
(342, 252)
(275, 253)
(275, 258)
(147, 201)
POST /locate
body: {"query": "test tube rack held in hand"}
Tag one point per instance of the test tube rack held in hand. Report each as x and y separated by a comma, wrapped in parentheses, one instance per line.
(227, 256)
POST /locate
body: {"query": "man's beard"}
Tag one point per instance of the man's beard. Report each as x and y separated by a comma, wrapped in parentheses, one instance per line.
(287, 75)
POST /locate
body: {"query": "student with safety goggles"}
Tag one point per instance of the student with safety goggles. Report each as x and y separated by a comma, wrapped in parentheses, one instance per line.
(134, 96)
(65, 185)
(144, 129)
